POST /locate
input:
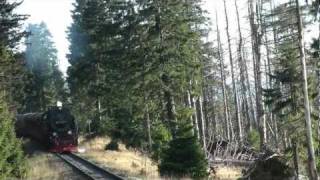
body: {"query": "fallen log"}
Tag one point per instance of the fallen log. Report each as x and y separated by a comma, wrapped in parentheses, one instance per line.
(234, 162)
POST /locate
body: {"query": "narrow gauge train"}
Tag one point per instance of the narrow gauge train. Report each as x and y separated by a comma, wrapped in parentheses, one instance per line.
(55, 128)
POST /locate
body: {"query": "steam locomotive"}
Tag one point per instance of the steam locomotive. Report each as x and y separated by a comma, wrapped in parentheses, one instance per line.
(56, 129)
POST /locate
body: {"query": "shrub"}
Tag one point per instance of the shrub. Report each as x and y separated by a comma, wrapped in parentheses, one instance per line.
(254, 139)
(112, 146)
(160, 137)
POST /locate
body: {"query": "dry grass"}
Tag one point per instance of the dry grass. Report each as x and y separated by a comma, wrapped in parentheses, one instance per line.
(128, 162)
(41, 168)
(45, 166)
(227, 173)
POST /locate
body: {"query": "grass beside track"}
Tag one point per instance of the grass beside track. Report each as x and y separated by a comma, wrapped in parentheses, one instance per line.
(125, 162)
(134, 164)
(128, 163)
(46, 166)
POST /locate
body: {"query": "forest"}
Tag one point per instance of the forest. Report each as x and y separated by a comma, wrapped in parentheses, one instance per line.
(157, 76)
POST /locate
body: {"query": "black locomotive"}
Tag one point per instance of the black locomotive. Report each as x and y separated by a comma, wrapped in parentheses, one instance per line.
(55, 128)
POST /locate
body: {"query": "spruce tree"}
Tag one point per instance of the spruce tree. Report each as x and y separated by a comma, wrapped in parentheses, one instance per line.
(92, 35)
(10, 31)
(13, 73)
(12, 162)
(184, 156)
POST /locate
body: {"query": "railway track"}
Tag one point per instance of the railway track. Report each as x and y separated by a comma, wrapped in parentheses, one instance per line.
(87, 168)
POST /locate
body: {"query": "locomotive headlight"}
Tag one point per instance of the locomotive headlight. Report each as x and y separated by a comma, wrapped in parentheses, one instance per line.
(69, 132)
(54, 134)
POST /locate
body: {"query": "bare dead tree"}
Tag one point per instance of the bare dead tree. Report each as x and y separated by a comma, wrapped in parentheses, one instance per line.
(257, 34)
(223, 82)
(235, 93)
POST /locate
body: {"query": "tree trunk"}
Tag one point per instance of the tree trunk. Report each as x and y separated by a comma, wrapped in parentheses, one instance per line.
(170, 112)
(250, 96)
(209, 122)
(257, 41)
(318, 15)
(295, 159)
(99, 110)
(318, 76)
(285, 139)
(232, 138)
(235, 93)
(213, 123)
(42, 99)
(202, 122)
(223, 82)
(148, 128)
(195, 118)
(268, 72)
(190, 106)
(311, 157)
(276, 133)
(243, 69)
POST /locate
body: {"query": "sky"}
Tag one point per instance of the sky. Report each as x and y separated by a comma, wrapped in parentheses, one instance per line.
(57, 15)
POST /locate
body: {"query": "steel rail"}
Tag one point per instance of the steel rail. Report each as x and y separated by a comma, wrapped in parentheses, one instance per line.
(88, 169)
